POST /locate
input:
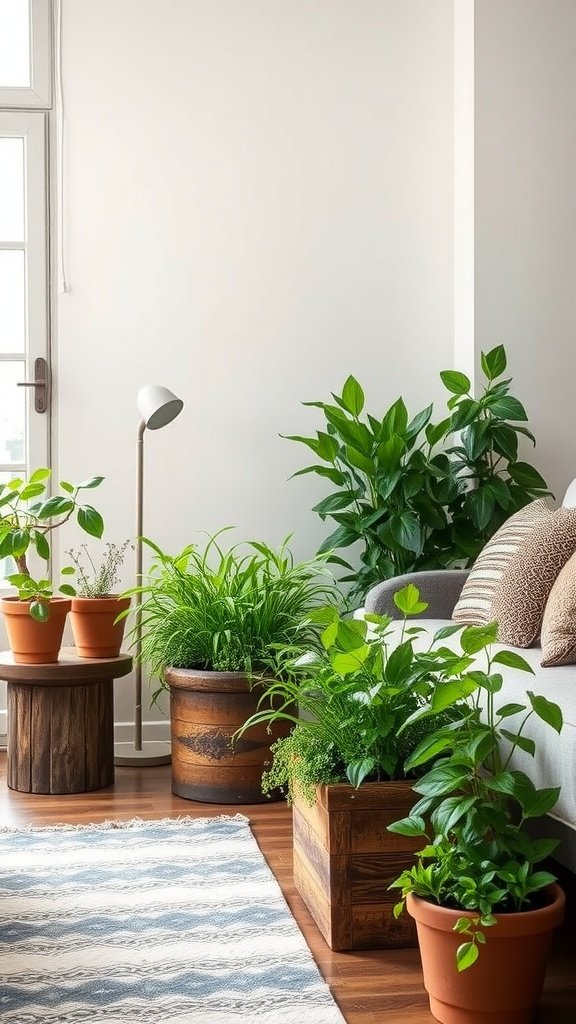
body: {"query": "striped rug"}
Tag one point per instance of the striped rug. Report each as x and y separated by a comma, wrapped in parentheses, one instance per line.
(177, 921)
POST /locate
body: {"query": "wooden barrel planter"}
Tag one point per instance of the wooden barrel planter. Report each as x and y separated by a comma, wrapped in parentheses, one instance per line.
(345, 859)
(206, 709)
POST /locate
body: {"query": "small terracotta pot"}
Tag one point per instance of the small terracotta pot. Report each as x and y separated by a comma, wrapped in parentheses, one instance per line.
(32, 642)
(505, 983)
(96, 632)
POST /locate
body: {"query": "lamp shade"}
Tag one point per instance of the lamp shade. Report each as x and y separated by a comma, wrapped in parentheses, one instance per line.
(158, 406)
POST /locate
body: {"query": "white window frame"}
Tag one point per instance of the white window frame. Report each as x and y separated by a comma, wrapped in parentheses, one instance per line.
(32, 127)
(39, 93)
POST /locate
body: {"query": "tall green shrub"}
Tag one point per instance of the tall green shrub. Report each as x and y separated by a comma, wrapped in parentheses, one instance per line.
(416, 494)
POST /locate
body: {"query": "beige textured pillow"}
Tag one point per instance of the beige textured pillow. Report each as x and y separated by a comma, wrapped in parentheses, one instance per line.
(521, 594)
(558, 635)
(475, 603)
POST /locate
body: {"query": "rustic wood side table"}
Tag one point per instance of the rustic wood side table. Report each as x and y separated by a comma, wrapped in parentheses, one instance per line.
(61, 722)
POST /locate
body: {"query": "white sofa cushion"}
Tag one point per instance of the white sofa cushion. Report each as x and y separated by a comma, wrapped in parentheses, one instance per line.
(555, 761)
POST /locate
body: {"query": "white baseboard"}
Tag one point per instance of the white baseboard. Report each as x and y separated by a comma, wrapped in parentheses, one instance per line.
(158, 730)
(123, 731)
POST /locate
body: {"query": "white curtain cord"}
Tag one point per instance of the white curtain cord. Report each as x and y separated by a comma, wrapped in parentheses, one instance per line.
(62, 284)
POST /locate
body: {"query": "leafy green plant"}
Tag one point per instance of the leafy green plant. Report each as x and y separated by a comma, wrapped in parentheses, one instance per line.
(230, 610)
(355, 695)
(28, 515)
(473, 807)
(98, 579)
(416, 494)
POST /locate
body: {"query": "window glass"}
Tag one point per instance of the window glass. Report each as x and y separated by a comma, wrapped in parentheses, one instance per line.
(12, 184)
(12, 301)
(14, 44)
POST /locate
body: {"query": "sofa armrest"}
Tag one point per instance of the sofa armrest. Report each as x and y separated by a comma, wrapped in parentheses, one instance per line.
(441, 588)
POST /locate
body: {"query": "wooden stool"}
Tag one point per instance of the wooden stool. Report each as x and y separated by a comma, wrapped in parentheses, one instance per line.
(61, 722)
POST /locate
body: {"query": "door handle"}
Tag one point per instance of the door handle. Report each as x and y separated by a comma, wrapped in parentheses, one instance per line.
(41, 384)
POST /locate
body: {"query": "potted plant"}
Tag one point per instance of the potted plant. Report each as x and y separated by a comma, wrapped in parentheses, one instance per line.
(402, 488)
(485, 909)
(212, 622)
(98, 632)
(28, 515)
(343, 766)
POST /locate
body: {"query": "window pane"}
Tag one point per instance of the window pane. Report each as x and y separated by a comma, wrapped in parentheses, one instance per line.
(12, 301)
(7, 564)
(12, 413)
(11, 189)
(15, 43)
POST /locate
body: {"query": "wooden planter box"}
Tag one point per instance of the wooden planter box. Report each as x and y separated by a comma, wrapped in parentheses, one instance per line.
(345, 859)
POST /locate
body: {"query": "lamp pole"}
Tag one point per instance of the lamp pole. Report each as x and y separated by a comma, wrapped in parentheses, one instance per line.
(138, 597)
(158, 406)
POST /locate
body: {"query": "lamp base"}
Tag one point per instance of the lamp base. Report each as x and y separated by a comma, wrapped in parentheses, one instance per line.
(154, 752)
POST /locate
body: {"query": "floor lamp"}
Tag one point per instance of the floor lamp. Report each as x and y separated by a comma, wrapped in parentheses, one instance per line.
(157, 407)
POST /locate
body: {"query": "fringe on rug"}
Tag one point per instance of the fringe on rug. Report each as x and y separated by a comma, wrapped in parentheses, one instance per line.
(180, 821)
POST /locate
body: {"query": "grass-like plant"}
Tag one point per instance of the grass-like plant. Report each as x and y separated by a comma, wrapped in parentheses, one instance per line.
(230, 610)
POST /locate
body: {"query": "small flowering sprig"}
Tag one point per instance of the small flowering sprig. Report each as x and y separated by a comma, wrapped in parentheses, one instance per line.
(98, 579)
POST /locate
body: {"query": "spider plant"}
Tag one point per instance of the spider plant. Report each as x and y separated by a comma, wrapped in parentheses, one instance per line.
(230, 610)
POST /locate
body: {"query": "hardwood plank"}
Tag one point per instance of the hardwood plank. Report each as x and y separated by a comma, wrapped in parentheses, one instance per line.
(371, 986)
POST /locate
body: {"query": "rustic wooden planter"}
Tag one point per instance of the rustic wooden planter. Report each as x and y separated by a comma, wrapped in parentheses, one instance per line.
(345, 859)
(206, 709)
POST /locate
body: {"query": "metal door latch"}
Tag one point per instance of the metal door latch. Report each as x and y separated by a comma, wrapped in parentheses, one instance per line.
(41, 384)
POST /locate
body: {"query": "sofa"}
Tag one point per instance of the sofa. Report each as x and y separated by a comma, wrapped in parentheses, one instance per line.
(554, 763)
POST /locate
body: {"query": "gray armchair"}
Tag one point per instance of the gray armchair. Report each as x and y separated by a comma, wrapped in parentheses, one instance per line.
(441, 588)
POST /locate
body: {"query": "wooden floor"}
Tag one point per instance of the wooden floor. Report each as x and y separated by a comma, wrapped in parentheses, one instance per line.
(383, 987)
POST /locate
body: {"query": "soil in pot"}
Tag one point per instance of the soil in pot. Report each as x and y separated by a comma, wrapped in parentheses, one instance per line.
(96, 632)
(505, 983)
(33, 642)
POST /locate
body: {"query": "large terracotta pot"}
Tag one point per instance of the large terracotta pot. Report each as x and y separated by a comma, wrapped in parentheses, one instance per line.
(505, 983)
(96, 632)
(345, 859)
(32, 642)
(206, 709)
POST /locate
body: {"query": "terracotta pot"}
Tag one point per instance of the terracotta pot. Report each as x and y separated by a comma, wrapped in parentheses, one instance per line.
(505, 983)
(96, 632)
(206, 709)
(32, 642)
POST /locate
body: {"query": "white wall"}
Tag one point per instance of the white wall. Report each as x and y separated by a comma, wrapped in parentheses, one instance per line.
(258, 201)
(525, 144)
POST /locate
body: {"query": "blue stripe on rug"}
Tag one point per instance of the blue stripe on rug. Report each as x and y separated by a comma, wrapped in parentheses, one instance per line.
(173, 922)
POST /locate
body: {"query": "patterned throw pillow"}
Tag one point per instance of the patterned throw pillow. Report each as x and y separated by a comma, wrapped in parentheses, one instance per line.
(521, 595)
(476, 599)
(558, 635)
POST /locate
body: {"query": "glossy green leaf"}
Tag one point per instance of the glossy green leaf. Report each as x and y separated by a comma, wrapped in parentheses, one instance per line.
(456, 382)
(40, 476)
(494, 362)
(39, 610)
(353, 396)
(41, 545)
(466, 955)
(546, 710)
(90, 521)
(508, 408)
(476, 638)
(526, 476)
(512, 660)
(94, 481)
(414, 825)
